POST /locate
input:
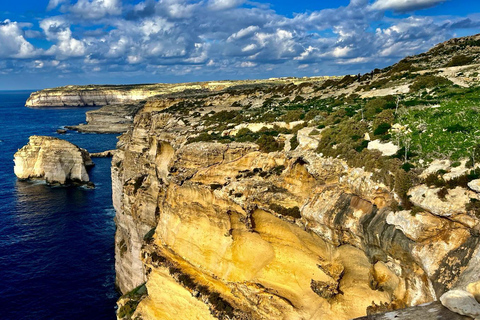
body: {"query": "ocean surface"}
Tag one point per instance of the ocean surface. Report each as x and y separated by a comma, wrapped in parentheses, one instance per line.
(56, 244)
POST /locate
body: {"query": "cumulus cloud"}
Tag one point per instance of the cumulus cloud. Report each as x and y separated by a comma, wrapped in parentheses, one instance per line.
(58, 30)
(95, 9)
(222, 37)
(404, 5)
(13, 42)
(224, 4)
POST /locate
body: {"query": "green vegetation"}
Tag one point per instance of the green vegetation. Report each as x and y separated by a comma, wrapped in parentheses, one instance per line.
(133, 299)
(294, 142)
(148, 237)
(428, 82)
(450, 130)
(291, 212)
(436, 119)
(460, 60)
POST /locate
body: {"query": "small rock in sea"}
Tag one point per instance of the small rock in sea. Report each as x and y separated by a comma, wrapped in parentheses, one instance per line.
(54, 160)
(61, 131)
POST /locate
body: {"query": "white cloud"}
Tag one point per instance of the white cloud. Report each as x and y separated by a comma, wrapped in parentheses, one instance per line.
(219, 38)
(404, 5)
(224, 4)
(95, 9)
(243, 33)
(58, 30)
(248, 64)
(52, 4)
(13, 43)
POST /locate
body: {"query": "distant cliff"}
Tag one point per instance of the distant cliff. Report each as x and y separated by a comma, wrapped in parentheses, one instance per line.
(102, 95)
(75, 96)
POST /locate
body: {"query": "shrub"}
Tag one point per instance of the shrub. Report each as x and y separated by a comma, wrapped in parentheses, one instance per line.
(246, 135)
(268, 143)
(458, 128)
(292, 212)
(222, 116)
(442, 193)
(362, 145)
(403, 182)
(148, 237)
(127, 310)
(460, 60)
(474, 207)
(456, 164)
(428, 81)
(294, 142)
(385, 116)
(311, 114)
(293, 115)
(434, 179)
(374, 106)
(402, 66)
(187, 281)
(382, 129)
(407, 166)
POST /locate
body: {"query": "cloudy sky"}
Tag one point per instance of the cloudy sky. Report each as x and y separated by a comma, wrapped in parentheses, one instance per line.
(46, 43)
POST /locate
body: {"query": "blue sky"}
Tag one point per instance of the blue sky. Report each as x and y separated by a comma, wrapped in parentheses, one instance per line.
(46, 43)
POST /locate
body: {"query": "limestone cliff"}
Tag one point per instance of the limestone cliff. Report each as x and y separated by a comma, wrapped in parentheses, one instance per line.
(269, 201)
(102, 95)
(226, 230)
(54, 160)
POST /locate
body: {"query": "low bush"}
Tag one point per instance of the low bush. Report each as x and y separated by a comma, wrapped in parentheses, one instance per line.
(428, 81)
(291, 212)
(294, 142)
(268, 143)
(382, 129)
(460, 60)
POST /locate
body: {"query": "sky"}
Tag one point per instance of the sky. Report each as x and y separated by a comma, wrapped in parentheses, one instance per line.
(48, 43)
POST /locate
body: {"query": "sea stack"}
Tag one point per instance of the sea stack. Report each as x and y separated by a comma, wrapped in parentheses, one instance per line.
(55, 160)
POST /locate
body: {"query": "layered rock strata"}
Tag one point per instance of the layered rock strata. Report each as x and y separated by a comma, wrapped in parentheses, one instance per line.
(109, 119)
(102, 95)
(54, 160)
(228, 231)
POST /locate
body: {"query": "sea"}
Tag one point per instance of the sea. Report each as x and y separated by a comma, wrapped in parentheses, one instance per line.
(56, 243)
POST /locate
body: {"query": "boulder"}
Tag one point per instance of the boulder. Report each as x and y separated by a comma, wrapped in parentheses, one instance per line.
(461, 302)
(55, 160)
(429, 200)
(387, 149)
(474, 185)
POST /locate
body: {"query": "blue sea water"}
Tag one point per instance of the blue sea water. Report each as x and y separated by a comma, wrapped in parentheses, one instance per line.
(56, 244)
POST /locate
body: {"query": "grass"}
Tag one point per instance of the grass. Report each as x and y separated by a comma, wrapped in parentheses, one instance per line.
(450, 131)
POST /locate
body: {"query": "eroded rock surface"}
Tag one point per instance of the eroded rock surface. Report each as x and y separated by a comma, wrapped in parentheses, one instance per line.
(54, 160)
(234, 231)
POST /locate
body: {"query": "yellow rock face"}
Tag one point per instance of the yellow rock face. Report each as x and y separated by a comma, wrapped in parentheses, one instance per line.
(169, 300)
(227, 231)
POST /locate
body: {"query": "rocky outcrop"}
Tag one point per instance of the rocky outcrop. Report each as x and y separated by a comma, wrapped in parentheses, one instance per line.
(428, 311)
(103, 154)
(235, 232)
(54, 160)
(109, 119)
